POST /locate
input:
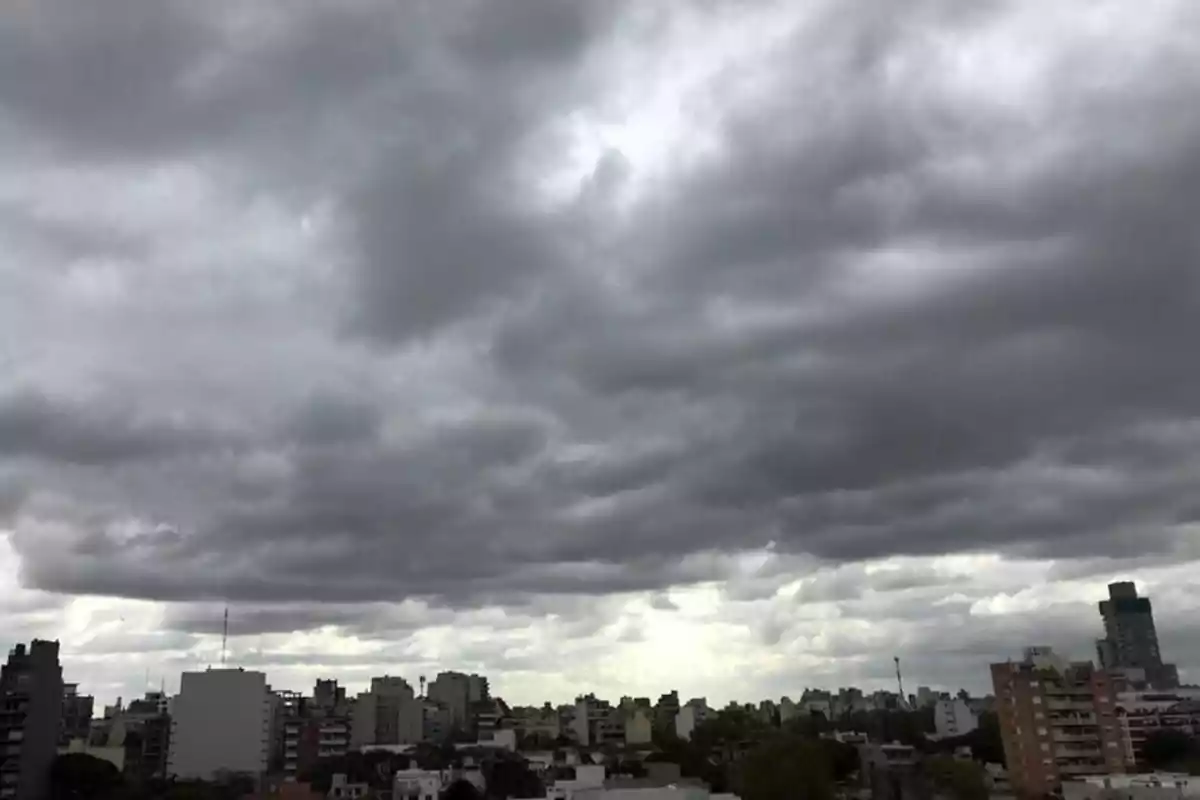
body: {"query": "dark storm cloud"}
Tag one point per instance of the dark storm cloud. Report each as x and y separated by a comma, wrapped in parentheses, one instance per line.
(885, 314)
(34, 425)
(287, 618)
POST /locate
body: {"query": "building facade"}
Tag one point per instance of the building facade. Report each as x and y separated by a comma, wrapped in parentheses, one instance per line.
(390, 713)
(31, 695)
(76, 715)
(1144, 713)
(953, 718)
(1058, 721)
(452, 690)
(221, 724)
(691, 714)
(1130, 638)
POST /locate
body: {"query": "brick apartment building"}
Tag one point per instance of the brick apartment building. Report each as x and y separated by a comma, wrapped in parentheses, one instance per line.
(1058, 721)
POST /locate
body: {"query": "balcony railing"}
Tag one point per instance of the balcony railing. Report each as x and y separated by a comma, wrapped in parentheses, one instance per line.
(1076, 752)
(1070, 705)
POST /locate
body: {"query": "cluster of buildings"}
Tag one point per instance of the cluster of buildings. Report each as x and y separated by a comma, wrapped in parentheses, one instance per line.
(1071, 725)
(42, 717)
(1061, 721)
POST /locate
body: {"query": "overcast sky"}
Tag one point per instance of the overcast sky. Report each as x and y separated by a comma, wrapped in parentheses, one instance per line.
(613, 346)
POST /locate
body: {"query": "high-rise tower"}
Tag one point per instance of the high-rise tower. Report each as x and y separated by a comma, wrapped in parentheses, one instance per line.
(1130, 640)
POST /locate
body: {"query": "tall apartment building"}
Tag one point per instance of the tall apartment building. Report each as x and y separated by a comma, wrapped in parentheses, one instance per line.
(390, 713)
(478, 690)
(691, 714)
(221, 723)
(31, 694)
(1130, 639)
(665, 709)
(330, 697)
(953, 718)
(147, 738)
(1058, 721)
(453, 691)
(76, 715)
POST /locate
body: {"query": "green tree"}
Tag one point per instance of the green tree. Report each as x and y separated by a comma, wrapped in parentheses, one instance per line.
(78, 776)
(461, 789)
(511, 777)
(841, 757)
(1169, 749)
(786, 768)
(962, 780)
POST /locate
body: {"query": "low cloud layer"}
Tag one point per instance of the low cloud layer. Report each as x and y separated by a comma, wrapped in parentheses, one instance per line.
(368, 322)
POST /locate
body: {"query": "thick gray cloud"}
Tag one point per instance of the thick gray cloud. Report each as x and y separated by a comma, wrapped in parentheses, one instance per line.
(35, 426)
(320, 303)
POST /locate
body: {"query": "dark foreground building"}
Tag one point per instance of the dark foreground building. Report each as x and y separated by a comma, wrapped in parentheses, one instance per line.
(31, 696)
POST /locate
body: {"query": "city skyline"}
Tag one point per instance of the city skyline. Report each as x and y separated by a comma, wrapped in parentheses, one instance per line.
(596, 346)
(359, 681)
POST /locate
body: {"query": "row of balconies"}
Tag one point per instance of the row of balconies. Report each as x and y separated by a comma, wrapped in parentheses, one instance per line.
(1077, 752)
(1071, 705)
(1083, 767)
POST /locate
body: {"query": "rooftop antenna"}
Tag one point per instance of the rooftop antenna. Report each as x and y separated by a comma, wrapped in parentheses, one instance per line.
(422, 686)
(225, 636)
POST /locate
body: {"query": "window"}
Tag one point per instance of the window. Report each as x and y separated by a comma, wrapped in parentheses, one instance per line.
(1042, 731)
(1045, 747)
(1037, 700)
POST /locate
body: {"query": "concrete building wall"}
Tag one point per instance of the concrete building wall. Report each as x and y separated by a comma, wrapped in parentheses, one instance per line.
(477, 689)
(953, 718)
(392, 686)
(579, 725)
(410, 725)
(222, 723)
(453, 691)
(362, 721)
(638, 728)
(691, 714)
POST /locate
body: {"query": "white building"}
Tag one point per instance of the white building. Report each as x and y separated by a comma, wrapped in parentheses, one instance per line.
(221, 723)
(417, 784)
(340, 788)
(590, 784)
(691, 714)
(953, 718)
(595, 722)
(1145, 786)
(588, 779)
